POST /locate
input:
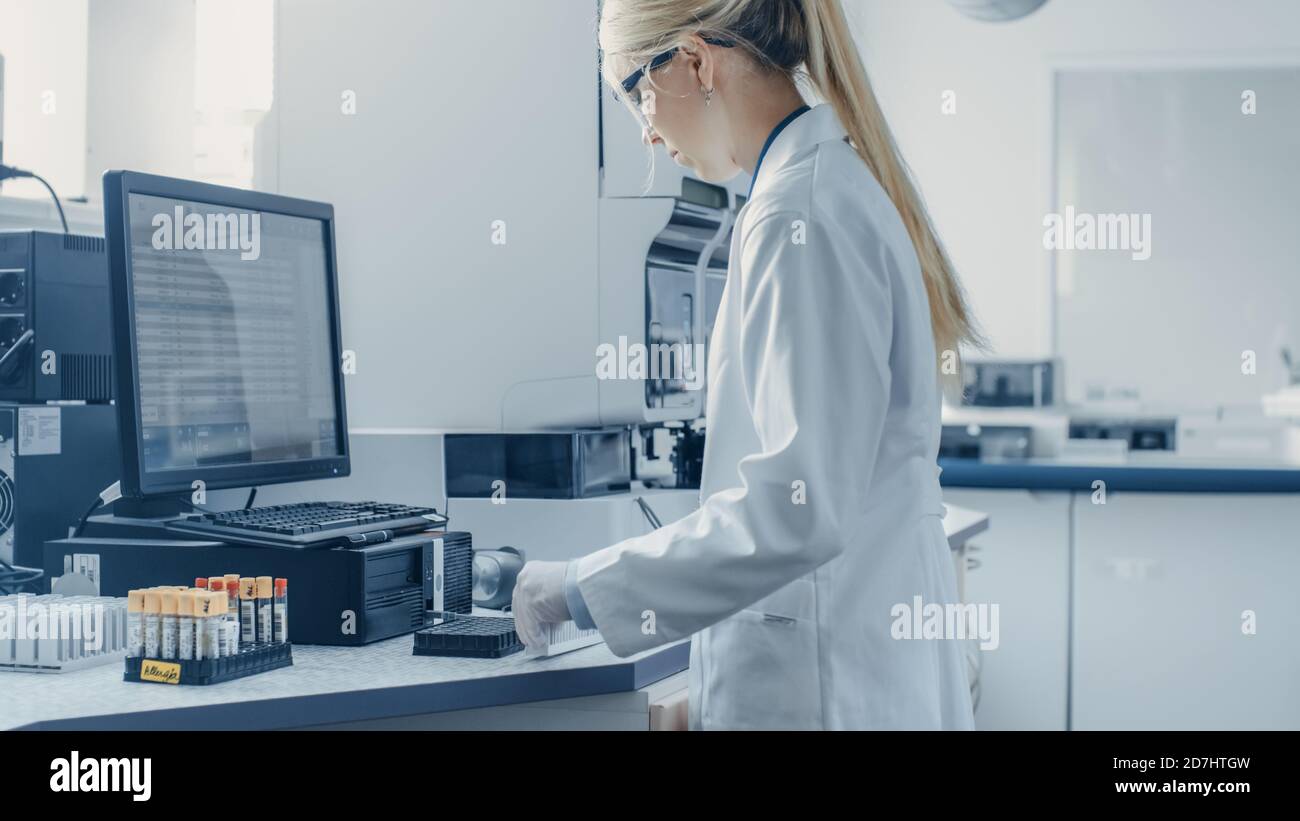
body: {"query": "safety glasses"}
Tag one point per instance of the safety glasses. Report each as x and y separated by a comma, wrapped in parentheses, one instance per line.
(634, 79)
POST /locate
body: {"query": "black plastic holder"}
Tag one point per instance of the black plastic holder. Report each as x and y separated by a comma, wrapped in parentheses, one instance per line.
(259, 658)
(481, 637)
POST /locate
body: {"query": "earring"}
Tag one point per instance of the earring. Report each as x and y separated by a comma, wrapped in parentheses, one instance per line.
(708, 96)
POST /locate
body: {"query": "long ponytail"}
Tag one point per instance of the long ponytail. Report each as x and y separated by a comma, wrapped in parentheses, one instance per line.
(835, 68)
(813, 37)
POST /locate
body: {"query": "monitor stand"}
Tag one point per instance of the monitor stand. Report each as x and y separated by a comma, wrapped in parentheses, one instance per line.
(159, 507)
(139, 519)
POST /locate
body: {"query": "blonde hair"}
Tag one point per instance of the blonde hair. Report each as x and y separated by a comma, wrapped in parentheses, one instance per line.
(808, 39)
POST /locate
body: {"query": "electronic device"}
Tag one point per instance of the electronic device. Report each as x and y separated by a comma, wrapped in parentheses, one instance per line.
(53, 460)
(1140, 433)
(311, 524)
(543, 529)
(1012, 384)
(226, 326)
(495, 572)
(561, 465)
(453, 576)
(55, 339)
(985, 442)
(341, 596)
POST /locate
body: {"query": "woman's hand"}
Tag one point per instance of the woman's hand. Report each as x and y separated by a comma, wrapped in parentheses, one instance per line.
(539, 600)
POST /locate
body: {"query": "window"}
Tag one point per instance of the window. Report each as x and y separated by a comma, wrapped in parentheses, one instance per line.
(175, 87)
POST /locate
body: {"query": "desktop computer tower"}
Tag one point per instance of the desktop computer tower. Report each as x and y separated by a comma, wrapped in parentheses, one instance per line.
(54, 461)
(55, 337)
(343, 596)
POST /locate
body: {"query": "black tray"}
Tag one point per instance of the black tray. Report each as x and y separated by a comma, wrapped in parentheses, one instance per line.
(483, 637)
(247, 662)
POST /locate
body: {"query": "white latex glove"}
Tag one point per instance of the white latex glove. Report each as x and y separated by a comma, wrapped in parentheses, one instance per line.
(539, 600)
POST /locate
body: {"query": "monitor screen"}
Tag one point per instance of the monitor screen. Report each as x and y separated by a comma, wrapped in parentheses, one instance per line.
(235, 367)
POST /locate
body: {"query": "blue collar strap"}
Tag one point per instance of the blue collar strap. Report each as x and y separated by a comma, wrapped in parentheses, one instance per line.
(771, 138)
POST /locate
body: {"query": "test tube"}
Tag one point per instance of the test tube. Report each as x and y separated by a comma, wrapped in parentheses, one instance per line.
(152, 622)
(217, 632)
(170, 626)
(201, 619)
(135, 623)
(217, 584)
(185, 624)
(248, 610)
(265, 596)
(212, 627)
(281, 631)
(232, 590)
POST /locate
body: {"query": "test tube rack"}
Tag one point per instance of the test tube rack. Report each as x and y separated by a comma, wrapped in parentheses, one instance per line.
(48, 633)
(459, 636)
(494, 636)
(249, 661)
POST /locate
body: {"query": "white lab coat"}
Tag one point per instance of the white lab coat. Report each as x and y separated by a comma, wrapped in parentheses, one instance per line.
(820, 501)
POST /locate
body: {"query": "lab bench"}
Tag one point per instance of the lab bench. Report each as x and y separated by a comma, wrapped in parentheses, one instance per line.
(1131, 604)
(381, 684)
(384, 686)
(1148, 472)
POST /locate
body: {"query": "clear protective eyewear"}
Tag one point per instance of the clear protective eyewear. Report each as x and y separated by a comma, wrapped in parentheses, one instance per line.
(639, 102)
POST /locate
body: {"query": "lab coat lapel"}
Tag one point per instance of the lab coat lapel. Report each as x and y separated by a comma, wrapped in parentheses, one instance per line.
(818, 125)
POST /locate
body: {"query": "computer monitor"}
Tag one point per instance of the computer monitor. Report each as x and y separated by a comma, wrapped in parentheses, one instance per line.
(225, 336)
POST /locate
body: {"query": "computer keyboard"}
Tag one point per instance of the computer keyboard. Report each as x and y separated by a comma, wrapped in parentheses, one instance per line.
(311, 524)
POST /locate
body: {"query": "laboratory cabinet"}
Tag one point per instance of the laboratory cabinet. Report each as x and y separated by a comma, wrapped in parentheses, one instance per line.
(1021, 564)
(1185, 614)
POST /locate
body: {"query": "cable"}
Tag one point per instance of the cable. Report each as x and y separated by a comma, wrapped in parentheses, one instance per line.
(16, 578)
(54, 197)
(107, 496)
(81, 523)
(9, 571)
(9, 172)
(252, 494)
(193, 506)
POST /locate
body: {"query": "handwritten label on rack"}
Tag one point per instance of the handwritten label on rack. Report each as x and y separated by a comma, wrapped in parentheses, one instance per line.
(163, 672)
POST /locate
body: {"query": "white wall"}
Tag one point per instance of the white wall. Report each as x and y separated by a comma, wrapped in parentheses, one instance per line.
(986, 172)
(140, 104)
(465, 114)
(44, 46)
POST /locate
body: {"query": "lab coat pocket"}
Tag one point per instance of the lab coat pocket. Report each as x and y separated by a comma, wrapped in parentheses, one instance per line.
(763, 665)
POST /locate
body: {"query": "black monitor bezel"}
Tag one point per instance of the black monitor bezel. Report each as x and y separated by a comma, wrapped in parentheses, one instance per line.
(136, 481)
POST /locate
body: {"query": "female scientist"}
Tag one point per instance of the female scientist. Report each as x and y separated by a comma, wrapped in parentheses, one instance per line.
(820, 521)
